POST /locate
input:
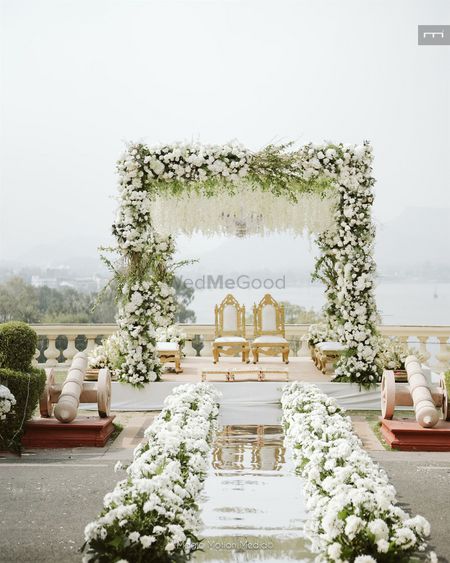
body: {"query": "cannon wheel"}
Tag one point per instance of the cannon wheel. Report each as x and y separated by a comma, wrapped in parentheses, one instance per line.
(388, 394)
(104, 392)
(45, 400)
(445, 399)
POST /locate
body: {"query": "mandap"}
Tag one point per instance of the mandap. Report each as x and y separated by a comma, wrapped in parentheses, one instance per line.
(326, 190)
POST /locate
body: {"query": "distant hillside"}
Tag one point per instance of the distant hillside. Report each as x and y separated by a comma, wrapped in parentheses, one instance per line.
(417, 239)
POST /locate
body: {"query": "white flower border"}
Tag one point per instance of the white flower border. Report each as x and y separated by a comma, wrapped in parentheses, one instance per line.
(346, 264)
(7, 401)
(354, 516)
(154, 514)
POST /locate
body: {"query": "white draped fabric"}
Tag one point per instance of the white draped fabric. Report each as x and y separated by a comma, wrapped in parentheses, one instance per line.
(151, 397)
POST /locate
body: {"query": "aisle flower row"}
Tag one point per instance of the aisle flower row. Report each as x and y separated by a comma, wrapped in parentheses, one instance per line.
(153, 514)
(353, 512)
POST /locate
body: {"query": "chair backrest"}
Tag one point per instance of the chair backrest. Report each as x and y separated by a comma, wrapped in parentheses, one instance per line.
(230, 317)
(268, 317)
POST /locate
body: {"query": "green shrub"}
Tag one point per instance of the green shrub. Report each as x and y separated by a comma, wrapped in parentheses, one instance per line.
(18, 344)
(26, 388)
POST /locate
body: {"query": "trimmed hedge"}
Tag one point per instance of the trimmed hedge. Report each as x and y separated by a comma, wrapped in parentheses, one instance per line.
(26, 388)
(18, 344)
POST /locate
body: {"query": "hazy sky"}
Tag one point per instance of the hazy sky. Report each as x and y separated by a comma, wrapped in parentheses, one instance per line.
(80, 77)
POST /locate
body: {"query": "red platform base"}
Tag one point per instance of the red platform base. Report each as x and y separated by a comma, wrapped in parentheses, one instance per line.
(408, 435)
(83, 431)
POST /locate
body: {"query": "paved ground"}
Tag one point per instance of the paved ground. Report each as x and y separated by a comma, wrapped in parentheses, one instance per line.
(422, 480)
(47, 497)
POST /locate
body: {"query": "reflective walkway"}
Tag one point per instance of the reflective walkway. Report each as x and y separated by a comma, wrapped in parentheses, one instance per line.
(253, 507)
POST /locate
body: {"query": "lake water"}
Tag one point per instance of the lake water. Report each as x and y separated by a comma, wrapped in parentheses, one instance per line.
(402, 303)
(244, 520)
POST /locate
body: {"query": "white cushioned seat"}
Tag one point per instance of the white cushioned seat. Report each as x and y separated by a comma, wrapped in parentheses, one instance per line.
(167, 346)
(270, 339)
(331, 346)
(229, 340)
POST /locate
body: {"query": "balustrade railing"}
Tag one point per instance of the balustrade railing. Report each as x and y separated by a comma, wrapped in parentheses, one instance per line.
(59, 343)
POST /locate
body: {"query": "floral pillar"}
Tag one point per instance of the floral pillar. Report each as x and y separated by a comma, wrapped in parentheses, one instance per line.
(146, 299)
(347, 266)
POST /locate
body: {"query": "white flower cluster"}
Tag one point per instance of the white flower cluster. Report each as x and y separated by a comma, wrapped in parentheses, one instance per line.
(7, 401)
(171, 334)
(352, 506)
(153, 514)
(146, 306)
(319, 333)
(190, 162)
(392, 353)
(107, 354)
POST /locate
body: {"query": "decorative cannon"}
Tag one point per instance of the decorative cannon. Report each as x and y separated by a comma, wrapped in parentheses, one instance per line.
(426, 399)
(75, 390)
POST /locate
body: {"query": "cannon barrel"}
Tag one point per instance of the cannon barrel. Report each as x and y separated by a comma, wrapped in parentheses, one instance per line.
(426, 399)
(424, 406)
(69, 399)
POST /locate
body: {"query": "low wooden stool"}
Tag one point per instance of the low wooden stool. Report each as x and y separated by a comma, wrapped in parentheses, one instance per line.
(328, 353)
(169, 352)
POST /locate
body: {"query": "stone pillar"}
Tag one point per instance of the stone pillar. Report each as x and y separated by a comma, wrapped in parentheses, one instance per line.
(90, 344)
(423, 347)
(207, 346)
(443, 356)
(71, 351)
(188, 350)
(51, 353)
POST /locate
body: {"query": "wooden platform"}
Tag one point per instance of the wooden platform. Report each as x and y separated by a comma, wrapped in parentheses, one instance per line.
(83, 431)
(408, 435)
(300, 369)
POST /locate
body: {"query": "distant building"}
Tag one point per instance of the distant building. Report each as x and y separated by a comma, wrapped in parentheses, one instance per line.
(38, 281)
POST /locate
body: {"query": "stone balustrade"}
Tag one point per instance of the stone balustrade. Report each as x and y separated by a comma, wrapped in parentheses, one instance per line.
(59, 343)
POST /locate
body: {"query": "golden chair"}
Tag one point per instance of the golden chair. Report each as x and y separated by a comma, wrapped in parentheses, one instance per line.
(230, 330)
(268, 319)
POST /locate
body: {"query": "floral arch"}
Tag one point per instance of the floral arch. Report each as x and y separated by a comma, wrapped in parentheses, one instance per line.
(326, 189)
